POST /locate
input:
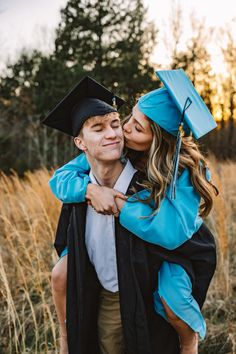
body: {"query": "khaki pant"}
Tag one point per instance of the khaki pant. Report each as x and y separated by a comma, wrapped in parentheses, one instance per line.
(109, 324)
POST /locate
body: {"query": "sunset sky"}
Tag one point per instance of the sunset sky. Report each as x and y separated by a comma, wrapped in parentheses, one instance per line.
(31, 24)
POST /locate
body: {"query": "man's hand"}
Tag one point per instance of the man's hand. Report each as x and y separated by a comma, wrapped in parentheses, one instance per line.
(102, 199)
(119, 203)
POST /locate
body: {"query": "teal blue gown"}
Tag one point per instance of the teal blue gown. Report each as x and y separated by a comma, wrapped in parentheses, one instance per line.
(175, 223)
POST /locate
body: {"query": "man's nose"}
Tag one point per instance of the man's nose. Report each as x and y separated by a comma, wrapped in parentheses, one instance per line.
(110, 133)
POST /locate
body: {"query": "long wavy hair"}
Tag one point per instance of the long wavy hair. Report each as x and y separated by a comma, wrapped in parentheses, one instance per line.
(159, 166)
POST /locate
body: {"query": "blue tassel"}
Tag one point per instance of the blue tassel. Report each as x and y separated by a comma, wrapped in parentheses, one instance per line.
(180, 134)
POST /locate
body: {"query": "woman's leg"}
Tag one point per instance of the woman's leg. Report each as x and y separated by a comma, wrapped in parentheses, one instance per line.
(174, 301)
(188, 338)
(59, 277)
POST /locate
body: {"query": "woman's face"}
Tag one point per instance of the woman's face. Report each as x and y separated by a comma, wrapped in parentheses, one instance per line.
(137, 131)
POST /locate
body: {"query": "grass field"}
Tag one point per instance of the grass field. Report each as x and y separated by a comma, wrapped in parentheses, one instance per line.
(28, 218)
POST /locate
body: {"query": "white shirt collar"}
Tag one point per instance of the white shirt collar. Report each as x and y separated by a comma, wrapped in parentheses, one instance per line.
(124, 179)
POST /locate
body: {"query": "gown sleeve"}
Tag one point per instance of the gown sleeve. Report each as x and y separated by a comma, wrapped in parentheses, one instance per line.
(174, 223)
(69, 182)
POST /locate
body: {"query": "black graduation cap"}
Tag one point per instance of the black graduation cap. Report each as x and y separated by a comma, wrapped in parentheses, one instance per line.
(87, 99)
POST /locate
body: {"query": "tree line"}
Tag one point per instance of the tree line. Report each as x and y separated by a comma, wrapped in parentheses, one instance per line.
(111, 41)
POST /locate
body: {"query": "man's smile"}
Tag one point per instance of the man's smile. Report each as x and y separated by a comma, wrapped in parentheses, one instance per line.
(112, 144)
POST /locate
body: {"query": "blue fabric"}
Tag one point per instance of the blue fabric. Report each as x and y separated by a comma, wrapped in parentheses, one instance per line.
(175, 287)
(197, 117)
(69, 182)
(159, 107)
(174, 224)
(64, 253)
(176, 221)
(165, 105)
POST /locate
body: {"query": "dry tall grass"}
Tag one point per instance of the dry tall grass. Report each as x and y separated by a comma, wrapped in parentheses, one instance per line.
(220, 307)
(28, 217)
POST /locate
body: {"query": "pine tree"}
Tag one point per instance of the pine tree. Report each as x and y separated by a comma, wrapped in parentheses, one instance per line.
(110, 40)
(16, 111)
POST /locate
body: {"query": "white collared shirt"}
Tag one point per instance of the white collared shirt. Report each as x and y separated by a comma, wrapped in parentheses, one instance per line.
(100, 235)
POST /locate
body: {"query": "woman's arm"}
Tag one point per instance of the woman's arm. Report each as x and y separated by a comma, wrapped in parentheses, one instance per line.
(69, 182)
(176, 221)
(174, 224)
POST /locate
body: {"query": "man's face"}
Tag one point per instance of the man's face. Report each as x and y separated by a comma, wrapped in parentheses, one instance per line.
(101, 138)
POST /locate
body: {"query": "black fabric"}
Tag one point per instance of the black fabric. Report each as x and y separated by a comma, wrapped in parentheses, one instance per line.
(138, 264)
(62, 228)
(83, 289)
(197, 256)
(86, 108)
(202, 254)
(143, 329)
(145, 332)
(88, 98)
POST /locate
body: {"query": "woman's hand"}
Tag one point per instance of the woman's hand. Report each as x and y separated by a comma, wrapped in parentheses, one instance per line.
(102, 199)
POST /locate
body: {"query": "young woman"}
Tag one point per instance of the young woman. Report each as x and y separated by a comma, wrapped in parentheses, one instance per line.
(152, 214)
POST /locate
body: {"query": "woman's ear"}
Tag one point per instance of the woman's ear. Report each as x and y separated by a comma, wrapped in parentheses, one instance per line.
(79, 143)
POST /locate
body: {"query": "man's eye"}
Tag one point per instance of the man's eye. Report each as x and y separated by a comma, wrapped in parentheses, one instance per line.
(98, 130)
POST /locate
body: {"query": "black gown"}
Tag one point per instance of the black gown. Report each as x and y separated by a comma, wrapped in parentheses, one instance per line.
(138, 263)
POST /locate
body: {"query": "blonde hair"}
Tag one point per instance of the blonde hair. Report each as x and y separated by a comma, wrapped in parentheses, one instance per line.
(160, 164)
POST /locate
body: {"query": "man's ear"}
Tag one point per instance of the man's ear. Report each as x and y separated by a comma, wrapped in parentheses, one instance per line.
(80, 143)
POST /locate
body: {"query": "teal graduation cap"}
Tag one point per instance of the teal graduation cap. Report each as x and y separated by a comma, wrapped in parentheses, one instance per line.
(87, 99)
(191, 106)
(177, 104)
(179, 109)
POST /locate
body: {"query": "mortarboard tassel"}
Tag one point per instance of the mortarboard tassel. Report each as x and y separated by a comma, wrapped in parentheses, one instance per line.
(176, 161)
(177, 151)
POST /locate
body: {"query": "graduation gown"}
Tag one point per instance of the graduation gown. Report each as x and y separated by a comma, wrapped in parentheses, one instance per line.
(138, 262)
(69, 184)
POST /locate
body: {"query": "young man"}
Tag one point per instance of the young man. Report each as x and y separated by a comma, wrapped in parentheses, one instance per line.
(110, 276)
(111, 273)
